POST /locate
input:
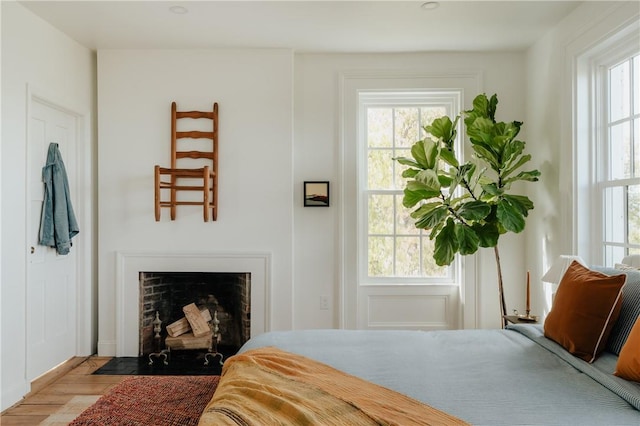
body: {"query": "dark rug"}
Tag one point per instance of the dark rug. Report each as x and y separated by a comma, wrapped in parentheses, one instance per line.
(151, 401)
(180, 363)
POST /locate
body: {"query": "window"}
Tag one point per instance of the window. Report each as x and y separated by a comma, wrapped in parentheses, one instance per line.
(605, 153)
(618, 157)
(392, 249)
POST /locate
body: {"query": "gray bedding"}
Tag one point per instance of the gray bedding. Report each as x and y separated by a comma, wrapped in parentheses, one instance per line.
(486, 377)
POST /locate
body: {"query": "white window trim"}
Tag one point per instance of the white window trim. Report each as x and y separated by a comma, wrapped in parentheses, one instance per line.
(585, 66)
(349, 82)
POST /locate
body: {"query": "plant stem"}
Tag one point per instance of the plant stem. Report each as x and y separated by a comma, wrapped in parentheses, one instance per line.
(503, 306)
(469, 190)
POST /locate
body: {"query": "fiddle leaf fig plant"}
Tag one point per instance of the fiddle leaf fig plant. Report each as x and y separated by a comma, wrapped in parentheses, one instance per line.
(467, 205)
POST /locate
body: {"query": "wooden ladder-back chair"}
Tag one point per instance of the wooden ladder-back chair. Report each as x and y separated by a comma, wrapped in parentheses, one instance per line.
(201, 177)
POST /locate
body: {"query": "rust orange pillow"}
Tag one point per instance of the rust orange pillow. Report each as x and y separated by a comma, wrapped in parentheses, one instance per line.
(628, 366)
(586, 307)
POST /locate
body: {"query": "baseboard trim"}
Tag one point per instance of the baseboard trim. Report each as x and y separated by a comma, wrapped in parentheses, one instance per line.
(55, 373)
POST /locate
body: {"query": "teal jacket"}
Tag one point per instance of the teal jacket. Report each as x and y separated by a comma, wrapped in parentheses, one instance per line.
(58, 223)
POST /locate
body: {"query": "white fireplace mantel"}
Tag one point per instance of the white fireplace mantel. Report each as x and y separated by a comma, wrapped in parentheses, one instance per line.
(129, 264)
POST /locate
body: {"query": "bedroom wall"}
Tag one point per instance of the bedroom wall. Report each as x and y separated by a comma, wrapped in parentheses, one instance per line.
(34, 54)
(316, 153)
(254, 91)
(551, 232)
(133, 116)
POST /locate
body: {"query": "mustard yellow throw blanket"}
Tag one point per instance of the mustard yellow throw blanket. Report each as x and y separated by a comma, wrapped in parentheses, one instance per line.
(268, 386)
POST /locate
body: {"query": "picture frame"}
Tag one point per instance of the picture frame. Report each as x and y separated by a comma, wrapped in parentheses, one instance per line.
(316, 194)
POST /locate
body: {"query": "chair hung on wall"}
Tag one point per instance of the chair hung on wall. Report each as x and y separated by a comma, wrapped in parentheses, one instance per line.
(198, 161)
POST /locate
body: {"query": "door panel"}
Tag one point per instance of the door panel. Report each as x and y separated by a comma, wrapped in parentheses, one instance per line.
(51, 278)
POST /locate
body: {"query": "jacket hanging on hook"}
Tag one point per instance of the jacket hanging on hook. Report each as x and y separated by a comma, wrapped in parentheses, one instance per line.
(58, 222)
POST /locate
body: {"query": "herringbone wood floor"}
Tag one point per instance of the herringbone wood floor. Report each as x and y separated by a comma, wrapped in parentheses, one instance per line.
(55, 389)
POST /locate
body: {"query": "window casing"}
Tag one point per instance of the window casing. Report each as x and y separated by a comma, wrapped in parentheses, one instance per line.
(605, 141)
(391, 249)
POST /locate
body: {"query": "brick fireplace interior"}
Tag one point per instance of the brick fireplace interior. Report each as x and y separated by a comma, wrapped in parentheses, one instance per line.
(228, 294)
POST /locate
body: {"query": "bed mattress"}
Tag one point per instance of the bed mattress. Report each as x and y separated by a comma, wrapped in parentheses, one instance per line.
(514, 376)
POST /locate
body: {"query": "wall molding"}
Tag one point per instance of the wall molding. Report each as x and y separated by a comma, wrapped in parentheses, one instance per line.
(130, 263)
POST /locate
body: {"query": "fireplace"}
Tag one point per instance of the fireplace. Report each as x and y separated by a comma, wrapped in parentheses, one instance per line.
(226, 295)
(256, 267)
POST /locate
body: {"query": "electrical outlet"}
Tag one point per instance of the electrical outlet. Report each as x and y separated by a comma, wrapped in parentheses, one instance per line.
(324, 302)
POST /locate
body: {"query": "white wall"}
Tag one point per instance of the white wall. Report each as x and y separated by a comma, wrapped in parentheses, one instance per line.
(316, 148)
(254, 92)
(552, 230)
(34, 54)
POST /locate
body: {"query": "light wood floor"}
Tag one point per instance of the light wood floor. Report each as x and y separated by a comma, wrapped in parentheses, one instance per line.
(55, 389)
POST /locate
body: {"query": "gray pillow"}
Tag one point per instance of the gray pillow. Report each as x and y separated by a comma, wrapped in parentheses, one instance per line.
(630, 310)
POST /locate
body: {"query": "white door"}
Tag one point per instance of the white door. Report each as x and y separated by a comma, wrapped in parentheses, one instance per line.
(51, 278)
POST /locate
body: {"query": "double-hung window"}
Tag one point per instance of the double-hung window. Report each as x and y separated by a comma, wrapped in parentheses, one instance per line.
(391, 249)
(618, 156)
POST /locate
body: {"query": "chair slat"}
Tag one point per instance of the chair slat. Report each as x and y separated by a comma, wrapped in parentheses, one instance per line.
(195, 134)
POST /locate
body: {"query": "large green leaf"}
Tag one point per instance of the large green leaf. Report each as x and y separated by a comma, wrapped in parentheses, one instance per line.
(468, 241)
(446, 245)
(416, 185)
(481, 130)
(445, 180)
(410, 173)
(510, 167)
(414, 196)
(430, 153)
(433, 217)
(407, 162)
(511, 151)
(448, 157)
(482, 125)
(510, 216)
(498, 144)
(487, 233)
(450, 141)
(482, 107)
(487, 154)
(474, 210)
(429, 179)
(436, 230)
(417, 151)
(425, 209)
(513, 128)
(530, 176)
(462, 198)
(441, 128)
(491, 189)
(520, 202)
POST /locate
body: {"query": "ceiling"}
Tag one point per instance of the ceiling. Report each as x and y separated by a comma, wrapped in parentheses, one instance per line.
(305, 26)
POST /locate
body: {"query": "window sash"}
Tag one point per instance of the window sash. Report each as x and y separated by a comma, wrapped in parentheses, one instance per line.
(391, 237)
(618, 168)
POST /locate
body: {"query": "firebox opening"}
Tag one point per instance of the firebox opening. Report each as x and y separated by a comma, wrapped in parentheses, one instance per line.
(226, 294)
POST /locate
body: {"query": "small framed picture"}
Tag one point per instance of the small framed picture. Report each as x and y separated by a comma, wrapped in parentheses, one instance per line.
(316, 194)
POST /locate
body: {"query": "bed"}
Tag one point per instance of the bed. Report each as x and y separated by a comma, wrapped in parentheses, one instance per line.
(509, 376)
